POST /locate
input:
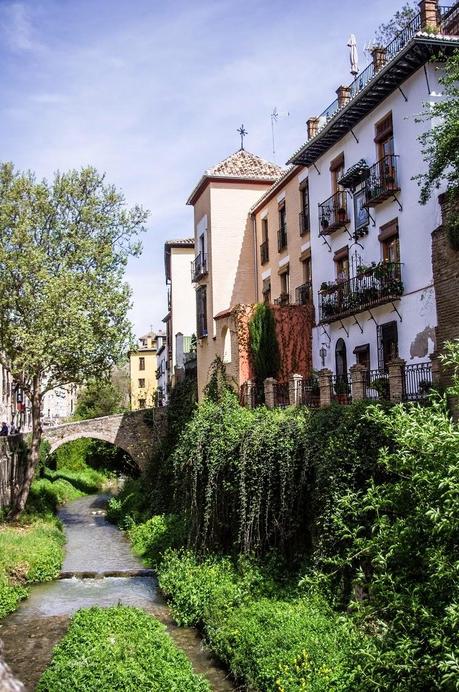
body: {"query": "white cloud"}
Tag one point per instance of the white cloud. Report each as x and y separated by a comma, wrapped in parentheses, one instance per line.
(16, 26)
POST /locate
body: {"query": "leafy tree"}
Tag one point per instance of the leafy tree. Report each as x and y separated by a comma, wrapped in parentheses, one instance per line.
(264, 348)
(98, 398)
(441, 148)
(389, 30)
(64, 246)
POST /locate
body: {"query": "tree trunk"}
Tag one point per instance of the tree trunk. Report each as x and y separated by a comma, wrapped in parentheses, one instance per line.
(33, 456)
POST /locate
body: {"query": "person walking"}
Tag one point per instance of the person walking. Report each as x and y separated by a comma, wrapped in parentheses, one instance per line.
(4, 430)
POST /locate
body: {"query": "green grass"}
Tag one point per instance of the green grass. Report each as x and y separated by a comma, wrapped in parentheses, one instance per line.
(270, 636)
(30, 551)
(118, 648)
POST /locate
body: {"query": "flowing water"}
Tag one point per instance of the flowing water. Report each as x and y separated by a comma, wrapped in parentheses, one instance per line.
(96, 548)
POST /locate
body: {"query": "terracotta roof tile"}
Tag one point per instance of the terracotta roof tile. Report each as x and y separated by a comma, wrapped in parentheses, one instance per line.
(243, 164)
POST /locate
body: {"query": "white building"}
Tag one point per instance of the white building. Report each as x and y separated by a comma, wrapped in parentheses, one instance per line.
(59, 404)
(371, 239)
(162, 376)
(181, 316)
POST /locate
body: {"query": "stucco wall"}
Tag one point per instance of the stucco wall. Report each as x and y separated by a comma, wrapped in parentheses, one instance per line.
(182, 295)
(417, 306)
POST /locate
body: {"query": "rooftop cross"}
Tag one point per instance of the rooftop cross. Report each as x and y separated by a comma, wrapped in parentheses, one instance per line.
(243, 132)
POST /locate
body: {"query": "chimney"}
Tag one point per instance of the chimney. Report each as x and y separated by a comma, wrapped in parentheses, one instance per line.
(313, 127)
(379, 57)
(429, 14)
(344, 95)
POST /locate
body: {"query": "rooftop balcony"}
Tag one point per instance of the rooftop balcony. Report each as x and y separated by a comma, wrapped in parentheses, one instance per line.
(381, 283)
(382, 181)
(199, 266)
(333, 213)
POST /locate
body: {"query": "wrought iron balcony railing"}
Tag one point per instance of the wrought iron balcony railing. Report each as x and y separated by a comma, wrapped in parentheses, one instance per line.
(333, 213)
(374, 286)
(282, 238)
(284, 299)
(264, 252)
(303, 293)
(305, 224)
(382, 181)
(199, 266)
(417, 381)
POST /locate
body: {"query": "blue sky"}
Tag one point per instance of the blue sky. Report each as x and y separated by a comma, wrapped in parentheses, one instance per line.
(152, 93)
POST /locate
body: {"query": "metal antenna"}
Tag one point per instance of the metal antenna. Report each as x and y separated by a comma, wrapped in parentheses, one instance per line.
(243, 132)
(275, 115)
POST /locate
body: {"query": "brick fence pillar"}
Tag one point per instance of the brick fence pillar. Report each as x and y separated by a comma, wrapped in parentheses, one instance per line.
(396, 369)
(358, 377)
(429, 14)
(436, 369)
(325, 385)
(269, 391)
(250, 393)
(295, 390)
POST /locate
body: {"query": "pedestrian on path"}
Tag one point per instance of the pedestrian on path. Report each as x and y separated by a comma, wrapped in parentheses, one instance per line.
(4, 430)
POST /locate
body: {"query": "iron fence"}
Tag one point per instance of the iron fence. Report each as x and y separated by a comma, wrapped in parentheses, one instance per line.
(333, 213)
(281, 394)
(417, 381)
(382, 180)
(310, 393)
(303, 293)
(341, 389)
(376, 385)
(199, 266)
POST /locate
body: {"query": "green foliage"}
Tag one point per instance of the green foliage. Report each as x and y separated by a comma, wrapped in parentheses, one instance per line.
(86, 480)
(264, 349)
(217, 385)
(153, 537)
(64, 246)
(118, 648)
(129, 507)
(98, 398)
(267, 640)
(30, 552)
(441, 149)
(403, 536)
(402, 17)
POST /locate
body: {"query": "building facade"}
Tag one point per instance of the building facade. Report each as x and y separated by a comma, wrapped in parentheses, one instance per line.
(180, 320)
(142, 369)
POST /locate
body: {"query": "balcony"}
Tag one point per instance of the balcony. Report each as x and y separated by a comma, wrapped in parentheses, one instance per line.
(372, 286)
(382, 181)
(264, 252)
(199, 266)
(303, 293)
(305, 225)
(282, 238)
(284, 299)
(333, 213)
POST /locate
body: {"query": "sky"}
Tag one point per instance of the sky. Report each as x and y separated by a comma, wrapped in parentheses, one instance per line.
(152, 93)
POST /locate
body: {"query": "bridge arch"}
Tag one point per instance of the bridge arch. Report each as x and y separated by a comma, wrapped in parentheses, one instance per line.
(138, 433)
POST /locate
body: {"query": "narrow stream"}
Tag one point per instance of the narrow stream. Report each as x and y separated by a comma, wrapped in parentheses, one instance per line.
(97, 547)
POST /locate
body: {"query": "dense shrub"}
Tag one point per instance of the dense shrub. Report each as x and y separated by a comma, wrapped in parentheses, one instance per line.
(29, 552)
(151, 539)
(86, 479)
(129, 507)
(118, 648)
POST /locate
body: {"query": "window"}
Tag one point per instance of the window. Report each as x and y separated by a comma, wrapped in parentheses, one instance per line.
(282, 232)
(304, 214)
(226, 337)
(337, 172)
(384, 137)
(387, 336)
(264, 247)
(341, 259)
(141, 363)
(201, 312)
(141, 383)
(285, 283)
(142, 403)
(362, 355)
(264, 230)
(282, 217)
(266, 290)
(390, 244)
(306, 266)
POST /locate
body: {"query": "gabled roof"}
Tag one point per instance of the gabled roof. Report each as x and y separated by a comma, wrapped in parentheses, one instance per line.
(168, 245)
(181, 242)
(242, 165)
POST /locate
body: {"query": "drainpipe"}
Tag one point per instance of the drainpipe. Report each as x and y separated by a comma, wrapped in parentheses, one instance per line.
(255, 256)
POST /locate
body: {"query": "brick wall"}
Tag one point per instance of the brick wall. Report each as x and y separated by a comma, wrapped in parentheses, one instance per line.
(445, 265)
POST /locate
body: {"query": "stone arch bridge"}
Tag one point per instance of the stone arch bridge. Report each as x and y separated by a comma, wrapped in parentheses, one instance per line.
(138, 433)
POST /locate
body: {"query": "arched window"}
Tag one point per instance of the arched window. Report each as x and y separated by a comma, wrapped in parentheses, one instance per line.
(340, 358)
(226, 338)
